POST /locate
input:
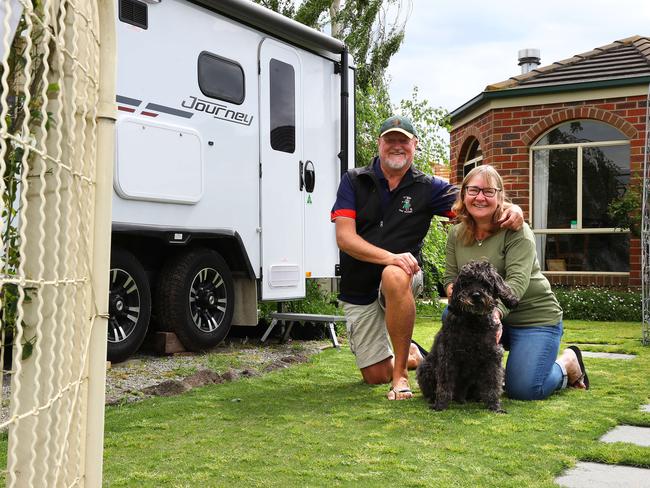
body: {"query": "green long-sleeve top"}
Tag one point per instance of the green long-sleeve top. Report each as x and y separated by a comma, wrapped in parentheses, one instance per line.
(514, 256)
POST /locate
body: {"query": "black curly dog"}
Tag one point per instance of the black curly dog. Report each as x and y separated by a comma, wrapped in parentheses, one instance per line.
(465, 362)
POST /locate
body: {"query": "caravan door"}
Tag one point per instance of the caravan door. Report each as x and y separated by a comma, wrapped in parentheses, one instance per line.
(282, 207)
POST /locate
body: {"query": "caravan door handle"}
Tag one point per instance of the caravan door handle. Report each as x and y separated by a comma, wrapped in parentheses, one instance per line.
(309, 176)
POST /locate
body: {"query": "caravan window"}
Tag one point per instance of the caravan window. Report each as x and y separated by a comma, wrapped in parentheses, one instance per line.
(221, 78)
(283, 106)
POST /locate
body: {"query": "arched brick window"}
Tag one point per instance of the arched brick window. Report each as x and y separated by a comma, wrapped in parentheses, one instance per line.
(473, 157)
(578, 169)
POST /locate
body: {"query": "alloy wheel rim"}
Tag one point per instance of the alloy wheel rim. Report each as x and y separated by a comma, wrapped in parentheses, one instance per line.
(123, 306)
(208, 300)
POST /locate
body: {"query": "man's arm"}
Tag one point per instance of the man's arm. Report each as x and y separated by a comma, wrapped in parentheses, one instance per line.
(356, 246)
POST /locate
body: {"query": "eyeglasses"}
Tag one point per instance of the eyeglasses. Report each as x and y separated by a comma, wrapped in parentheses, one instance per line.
(475, 190)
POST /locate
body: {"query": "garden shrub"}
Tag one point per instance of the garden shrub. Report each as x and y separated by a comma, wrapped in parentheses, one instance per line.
(601, 304)
(433, 258)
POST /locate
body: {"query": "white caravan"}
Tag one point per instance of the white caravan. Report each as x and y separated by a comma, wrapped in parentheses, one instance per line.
(232, 132)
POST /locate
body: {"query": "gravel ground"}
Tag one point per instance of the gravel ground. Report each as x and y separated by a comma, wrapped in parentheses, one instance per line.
(145, 374)
(138, 377)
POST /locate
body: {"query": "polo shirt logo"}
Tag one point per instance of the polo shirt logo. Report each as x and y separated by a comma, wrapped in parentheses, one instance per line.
(406, 207)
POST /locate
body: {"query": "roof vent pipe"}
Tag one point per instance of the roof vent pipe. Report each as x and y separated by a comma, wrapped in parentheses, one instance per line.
(529, 59)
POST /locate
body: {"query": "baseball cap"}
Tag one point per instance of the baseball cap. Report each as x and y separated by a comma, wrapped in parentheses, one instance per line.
(398, 123)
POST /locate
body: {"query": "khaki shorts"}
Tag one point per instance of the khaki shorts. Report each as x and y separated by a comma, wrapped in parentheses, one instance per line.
(366, 327)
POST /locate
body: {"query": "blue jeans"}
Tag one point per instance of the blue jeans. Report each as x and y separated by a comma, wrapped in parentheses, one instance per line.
(531, 370)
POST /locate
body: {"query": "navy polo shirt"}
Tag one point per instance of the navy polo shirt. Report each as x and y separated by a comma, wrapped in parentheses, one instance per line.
(443, 195)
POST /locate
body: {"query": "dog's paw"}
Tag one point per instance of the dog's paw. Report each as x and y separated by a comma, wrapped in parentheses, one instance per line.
(497, 408)
(439, 406)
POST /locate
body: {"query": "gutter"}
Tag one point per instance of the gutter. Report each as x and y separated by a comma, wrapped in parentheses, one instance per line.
(266, 20)
(486, 96)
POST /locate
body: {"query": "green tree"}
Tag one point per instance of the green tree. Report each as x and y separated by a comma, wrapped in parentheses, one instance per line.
(429, 123)
(372, 108)
(373, 30)
(284, 7)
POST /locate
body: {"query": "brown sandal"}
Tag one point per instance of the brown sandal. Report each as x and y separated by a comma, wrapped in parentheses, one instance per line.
(583, 377)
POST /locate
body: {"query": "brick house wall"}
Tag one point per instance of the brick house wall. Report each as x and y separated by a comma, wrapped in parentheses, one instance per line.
(506, 134)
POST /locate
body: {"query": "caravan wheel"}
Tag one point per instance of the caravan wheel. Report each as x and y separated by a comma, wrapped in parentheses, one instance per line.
(129, 305)
(196, 298)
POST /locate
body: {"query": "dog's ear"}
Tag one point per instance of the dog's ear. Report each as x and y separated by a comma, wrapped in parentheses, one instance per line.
(503, 291)
(454, 298)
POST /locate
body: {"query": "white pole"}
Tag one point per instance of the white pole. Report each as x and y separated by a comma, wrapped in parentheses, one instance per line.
(106, 115)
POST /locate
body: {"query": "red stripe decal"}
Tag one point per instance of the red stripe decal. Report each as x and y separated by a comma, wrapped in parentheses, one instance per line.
(125, 109)
(343, 212)
(150, 114)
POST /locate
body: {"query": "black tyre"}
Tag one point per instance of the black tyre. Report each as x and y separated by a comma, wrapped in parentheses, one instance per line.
(195, 299)
(129, 305)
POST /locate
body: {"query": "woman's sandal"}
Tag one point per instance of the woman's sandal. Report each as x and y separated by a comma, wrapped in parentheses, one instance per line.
(583, 377)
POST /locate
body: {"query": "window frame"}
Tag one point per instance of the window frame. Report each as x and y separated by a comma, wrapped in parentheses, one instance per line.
(579, 229)
(272, 102)
(475, 161)
(232, 62)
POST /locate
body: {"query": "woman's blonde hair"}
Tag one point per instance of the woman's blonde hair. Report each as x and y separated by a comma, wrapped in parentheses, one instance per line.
(492, 179)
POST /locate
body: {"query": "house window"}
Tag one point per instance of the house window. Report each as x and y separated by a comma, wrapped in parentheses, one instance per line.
(578, 169)
(473, 158)
(221, 78)
(283, 106)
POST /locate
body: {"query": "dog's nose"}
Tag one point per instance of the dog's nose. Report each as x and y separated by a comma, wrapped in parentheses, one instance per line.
(475, 295)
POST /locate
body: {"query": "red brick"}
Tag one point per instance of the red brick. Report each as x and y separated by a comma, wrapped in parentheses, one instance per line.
(501, 158)
(509, 165)
(542, 112)
(504, 115)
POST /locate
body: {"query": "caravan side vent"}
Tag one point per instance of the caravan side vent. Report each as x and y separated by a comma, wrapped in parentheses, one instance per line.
(134, 12)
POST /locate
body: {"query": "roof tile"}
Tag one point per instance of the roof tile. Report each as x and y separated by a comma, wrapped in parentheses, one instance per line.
(625, 58)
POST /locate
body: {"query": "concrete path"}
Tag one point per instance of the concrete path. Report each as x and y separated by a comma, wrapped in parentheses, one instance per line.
(607, 355)
(595, 475)
(628, 433)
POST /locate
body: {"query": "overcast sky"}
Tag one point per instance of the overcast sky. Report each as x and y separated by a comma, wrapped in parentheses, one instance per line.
(452, 50)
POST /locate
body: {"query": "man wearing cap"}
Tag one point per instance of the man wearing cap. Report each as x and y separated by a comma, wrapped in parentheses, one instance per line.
(382, 214)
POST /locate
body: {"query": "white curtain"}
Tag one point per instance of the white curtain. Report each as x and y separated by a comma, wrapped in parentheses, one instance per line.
(540, 200)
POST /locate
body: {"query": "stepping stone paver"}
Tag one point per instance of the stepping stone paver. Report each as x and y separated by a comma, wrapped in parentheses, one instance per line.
(595, 475)
(607, 355)
(630, 434)
(645, 408)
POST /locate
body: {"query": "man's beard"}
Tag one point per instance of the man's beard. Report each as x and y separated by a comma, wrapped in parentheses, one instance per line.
(396, 164)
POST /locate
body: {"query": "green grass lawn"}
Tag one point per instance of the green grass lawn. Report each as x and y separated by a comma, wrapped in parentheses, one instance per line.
(317, 424)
